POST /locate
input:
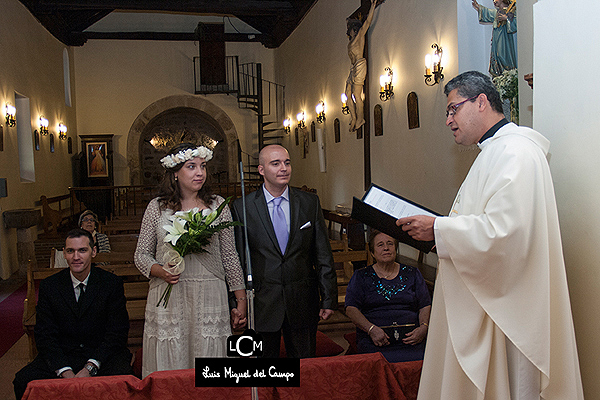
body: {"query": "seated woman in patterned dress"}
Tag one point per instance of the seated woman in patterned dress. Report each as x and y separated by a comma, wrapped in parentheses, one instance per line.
(389, 303)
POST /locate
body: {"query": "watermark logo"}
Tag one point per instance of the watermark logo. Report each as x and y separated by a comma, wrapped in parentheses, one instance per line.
(248, 344)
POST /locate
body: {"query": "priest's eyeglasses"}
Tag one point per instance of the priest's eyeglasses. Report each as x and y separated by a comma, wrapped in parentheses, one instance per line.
(451, 110)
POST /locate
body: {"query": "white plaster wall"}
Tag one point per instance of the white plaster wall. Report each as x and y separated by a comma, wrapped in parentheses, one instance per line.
(566, 112)
(525, 50)
(31, 65)
(117, 80)
(421, 164)
(474, 38)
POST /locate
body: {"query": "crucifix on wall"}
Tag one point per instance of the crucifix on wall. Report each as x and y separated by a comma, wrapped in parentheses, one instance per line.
(358, 99)
(357, 32)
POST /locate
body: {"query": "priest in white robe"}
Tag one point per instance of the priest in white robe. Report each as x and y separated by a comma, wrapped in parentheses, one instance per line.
(501, 325)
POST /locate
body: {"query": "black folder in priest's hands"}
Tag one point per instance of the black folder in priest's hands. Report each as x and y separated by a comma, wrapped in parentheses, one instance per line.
(363, 211)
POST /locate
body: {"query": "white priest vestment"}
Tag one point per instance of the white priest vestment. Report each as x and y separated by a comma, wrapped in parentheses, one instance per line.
(501, 276)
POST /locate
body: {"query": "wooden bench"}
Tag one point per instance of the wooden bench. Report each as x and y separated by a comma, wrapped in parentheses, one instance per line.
(123, 242)
(118, 227)
(52, 218)
(344, 256)
(114, 257)
(136, 291)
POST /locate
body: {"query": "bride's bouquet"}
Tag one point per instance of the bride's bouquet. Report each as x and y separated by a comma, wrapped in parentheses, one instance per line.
(189, 233)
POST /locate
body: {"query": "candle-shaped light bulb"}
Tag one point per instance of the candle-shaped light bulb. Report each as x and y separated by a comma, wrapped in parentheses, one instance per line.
(319, 108)
(11, 110)
(428, 64)
(436, 62)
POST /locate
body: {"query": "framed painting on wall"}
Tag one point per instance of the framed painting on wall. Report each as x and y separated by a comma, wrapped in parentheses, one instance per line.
(96, 159)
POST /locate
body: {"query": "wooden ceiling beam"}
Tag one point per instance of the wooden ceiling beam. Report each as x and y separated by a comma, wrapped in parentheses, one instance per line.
(170, 36)
(246, 7)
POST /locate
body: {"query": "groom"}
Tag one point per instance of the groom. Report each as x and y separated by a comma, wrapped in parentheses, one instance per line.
(292, 265)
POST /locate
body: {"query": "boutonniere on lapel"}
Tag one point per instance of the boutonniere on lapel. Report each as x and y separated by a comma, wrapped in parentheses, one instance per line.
(190, 232)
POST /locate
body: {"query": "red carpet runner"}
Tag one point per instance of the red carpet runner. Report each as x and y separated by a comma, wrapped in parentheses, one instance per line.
(11, 319)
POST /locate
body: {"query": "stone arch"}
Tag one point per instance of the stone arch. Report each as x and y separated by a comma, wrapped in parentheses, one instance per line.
(172, 102)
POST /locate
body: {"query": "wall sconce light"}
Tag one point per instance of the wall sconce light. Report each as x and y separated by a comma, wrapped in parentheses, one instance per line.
(433, 63)
(345, 108)
(43, 126)
(11, 111)
(287, 125)
(62, 131)
(320, 109)
(300, 118)
(385, 81)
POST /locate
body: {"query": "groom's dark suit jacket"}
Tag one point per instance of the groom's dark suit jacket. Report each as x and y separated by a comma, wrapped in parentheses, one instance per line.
(299, 282)
(97, 327)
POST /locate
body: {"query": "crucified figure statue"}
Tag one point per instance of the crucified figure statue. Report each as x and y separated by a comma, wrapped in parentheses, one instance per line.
(356, 32)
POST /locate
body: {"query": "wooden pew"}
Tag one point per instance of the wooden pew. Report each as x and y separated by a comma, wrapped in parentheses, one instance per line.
(136, 291)
(53, 218)
(112, 228)
(114, 257)
(123, 242)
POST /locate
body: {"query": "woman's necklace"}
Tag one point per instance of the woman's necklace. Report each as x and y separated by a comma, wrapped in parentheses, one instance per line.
(388, 289)
(383, 275)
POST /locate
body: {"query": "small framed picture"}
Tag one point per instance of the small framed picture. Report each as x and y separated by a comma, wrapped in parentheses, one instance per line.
(36, 139)
(96, 159)
(52, 143)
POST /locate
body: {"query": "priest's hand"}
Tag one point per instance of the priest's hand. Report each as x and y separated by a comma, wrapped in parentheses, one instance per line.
(419, 227)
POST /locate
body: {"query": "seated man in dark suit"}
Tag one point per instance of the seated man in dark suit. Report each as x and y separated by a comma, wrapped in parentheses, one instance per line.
(81, 320)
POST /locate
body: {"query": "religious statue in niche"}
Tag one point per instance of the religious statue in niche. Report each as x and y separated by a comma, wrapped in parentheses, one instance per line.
(357, 30)
(503, 17)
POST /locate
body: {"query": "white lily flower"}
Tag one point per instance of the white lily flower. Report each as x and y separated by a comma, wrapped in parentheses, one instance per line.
(186, 215)
(175, 231)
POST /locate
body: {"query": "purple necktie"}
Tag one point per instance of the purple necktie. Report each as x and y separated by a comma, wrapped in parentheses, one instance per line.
(279, 224)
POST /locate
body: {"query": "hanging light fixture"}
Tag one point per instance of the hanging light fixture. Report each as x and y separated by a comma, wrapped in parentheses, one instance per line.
(433, 66)
(43, 126)
(320, 109)
(385, 81)
(11, 112)
(62, 131)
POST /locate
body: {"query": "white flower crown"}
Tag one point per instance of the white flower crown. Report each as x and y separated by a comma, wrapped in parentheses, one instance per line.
(172, 160)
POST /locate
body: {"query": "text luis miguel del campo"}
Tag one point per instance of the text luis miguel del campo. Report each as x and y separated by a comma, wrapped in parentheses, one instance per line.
(234, 371)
